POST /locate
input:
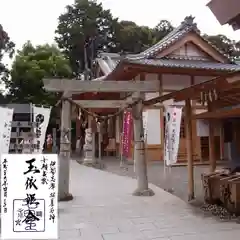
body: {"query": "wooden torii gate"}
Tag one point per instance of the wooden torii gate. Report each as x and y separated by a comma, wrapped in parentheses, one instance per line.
(98, 85)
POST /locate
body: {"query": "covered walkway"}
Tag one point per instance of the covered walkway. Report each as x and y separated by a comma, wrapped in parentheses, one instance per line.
(104, 209)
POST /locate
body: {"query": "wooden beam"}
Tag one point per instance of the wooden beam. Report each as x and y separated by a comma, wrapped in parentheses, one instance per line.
(189, 141)
(61, 85)
(103, 103)
(211, 139)
(220, 114)
(193, 91)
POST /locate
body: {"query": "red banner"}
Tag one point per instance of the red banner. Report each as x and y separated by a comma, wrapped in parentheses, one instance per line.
(127, 134)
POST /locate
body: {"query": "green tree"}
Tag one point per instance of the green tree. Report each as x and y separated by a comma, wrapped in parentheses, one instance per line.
(6, 49)
(226, 45)
(163, 28)
(30, 66)
(132, 38)
(85, 24)
(2, 98)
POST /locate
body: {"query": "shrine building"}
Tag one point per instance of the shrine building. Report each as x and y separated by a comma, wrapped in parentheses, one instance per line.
(181, 59)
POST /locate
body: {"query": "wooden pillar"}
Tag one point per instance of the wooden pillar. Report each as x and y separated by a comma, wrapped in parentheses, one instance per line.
(64, 157)
(139, 153)
(221, 140)
(160, 77)
(189, 141)
(212, 155)
(196, 139)
(78, 128)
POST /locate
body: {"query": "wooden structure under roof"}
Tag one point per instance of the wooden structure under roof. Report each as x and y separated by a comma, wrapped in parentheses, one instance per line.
(179, 60)
(225, 105)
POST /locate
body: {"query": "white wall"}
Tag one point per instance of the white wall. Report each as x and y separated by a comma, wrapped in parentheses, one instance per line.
(153, 126)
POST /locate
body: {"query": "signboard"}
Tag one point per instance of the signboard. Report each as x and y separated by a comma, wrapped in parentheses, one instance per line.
(5, 129)
(29, 196)
(41, 117)
(173, 119)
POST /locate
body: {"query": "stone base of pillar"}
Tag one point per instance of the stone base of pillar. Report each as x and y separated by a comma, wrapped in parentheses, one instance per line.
(63, 181)
(191, 197)
(89, 157)
(145, 193)
(66, 198)
(170, 190)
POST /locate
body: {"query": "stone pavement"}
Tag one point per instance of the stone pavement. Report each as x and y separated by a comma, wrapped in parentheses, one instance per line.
(104, 209)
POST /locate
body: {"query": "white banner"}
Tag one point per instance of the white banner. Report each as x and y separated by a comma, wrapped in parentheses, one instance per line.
(172, 134)
(41, 117)
(29, 206)
(168, 112)
(145, 125)
(5, 129)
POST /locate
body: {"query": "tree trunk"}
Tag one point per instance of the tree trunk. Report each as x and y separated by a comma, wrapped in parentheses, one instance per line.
(139, 153)
(64, 156)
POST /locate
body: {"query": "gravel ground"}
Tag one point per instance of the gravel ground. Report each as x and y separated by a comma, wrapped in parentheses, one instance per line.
(177, 180)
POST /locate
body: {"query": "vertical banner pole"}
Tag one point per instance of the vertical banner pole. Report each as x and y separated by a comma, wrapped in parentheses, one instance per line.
(99, 145)
(122, 140)
(166, 150)
(121, 150)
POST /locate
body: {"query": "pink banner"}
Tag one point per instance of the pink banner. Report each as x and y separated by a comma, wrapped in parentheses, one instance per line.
(127, 134)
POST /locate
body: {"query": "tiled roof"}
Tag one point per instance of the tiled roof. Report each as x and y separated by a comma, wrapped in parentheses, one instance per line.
(187, 64)
(109, 61)
(178, 33)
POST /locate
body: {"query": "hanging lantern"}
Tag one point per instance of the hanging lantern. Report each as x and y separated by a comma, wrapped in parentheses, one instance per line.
(202, 98)
(210, 96)
(79, 114)
(215, 94)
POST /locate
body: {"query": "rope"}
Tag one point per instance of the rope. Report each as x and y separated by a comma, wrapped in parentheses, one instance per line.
(103, 118)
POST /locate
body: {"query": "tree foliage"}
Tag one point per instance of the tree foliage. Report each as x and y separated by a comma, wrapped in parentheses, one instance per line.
(85, 24)
(163, 28)
(226, 45)
(131, 38)
(7, 50)
(30, 66)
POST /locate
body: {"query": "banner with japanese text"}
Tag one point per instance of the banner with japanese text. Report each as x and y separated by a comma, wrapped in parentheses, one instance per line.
(145, 124)
(127, 134)
(41, 117)
(173, 117)
(29, 196)
(5, 129)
